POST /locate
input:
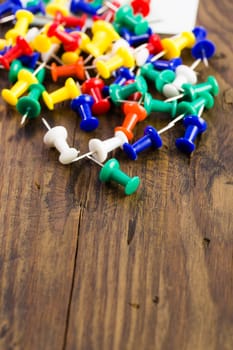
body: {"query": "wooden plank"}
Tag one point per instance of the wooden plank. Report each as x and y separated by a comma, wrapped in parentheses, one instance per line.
(170, 286)
(82, 266)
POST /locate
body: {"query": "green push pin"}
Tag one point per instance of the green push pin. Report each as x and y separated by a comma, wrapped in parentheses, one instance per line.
(192, 92)
(111, 171)
(28, 105)
(154, 105)
(160, 78)
(120, 93)
(17, 65)
(135, 23)
(206, 100)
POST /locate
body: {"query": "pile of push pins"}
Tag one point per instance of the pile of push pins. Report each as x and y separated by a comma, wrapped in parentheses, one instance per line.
(115, 43)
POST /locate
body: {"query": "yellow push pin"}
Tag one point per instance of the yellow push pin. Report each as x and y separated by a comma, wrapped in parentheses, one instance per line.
(69, 91)
(103, 36)
(57, 6)
(122, 57)
(25, 79)
(173, 46)
(24, 19)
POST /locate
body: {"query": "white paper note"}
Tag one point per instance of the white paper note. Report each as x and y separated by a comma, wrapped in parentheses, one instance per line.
(173, 16)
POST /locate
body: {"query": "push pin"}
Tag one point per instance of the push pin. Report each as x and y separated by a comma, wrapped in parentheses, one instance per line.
(75, 70)
(125, 17)
(155, 105)
(70, 43)
(70, 21)
(123, 57)
(192, 92)
(160, 78)
(134, 113)
(203, 48)
(206, 100)
(25, 79)
(121, 76)
(82, 105)
(57, 6)
(103, 36)
(29, 105)
(167, 64)
(194, 126)
(82, 6)
(99, 149)
(173, 46)
(23, 19)
(94, 87)
(118, 93)
(141, 6)
(20, 48)
(184, 75)
(150, 139)
(111, 172)
(69, 91)
(56, 137)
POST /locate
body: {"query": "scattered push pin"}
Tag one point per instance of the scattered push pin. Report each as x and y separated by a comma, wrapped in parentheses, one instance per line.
(82, 105)
(150, 139)
(20, 48)
(56, 137)
(69, 91)
(23, 19)
(94, 87)
(184, 75)
(76, 70)
(111, 172)
(29, 106)
(99, 149)
(134, 113)
(194, 126)
(192, 92)
(124, 17)
(173, 46)
(203, 48)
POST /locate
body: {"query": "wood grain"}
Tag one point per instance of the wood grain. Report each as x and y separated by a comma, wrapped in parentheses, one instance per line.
(84, 267)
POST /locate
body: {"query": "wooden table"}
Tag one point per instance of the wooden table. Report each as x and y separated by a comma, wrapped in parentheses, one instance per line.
(82, 266)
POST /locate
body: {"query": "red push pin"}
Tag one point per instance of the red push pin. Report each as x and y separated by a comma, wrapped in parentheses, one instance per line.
(94, 87)
(134, 113)
(70, 43)
(76, 70)
(20, 48)
(141, 6)
(70, 21)
(154, 45)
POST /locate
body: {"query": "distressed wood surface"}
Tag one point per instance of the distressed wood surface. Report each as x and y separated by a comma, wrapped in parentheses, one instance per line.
(84, 267)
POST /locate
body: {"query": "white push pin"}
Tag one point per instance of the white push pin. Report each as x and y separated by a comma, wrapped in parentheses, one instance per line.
(184, 75)
(99, 149)
(56, 137)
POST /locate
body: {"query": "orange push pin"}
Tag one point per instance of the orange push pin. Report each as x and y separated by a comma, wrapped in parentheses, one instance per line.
(69, 91)
(134, 113)
(122, 57)
(24, 18)
(75, 70)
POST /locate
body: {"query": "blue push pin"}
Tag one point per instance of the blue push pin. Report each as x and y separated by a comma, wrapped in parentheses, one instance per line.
(39, 8)
(135, 40)
(166, 64)
(203, 48)
(194, 125)
(82, 105)
(82, 6)
(30, 60)
(151, 138)
(122, 75)
(10, 6)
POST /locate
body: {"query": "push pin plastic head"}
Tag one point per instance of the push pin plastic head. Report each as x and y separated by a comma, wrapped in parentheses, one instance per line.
(194, 126)
(111, 171)
(82, 105)
(151, 138)
(56, 137)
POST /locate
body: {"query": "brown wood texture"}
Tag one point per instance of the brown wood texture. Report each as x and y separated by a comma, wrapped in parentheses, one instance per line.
(84, 267)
